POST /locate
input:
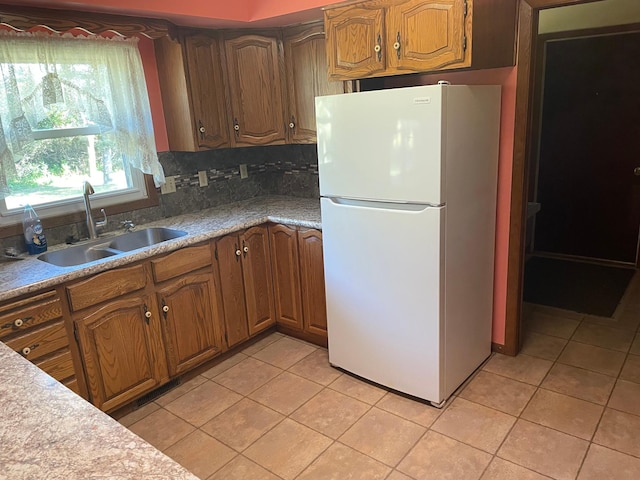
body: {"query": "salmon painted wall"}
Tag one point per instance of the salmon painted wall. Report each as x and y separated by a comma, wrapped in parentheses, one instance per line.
(507, 78)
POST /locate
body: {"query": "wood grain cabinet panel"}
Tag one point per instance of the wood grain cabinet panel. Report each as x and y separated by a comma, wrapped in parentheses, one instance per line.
(314, 300)
(16, 317)
(38, 342)
(254, 64)
(286, 276)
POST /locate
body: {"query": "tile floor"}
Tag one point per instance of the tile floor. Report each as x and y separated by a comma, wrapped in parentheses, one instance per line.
(567, 407)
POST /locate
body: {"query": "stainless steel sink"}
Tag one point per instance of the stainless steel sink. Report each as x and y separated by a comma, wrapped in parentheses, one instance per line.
(104, 248)
(144, 238)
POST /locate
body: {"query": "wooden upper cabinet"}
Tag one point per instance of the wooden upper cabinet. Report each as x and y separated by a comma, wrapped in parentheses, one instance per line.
(355, 36)
(306, 67)
(193, 92)
(204, 67)
(427, 35)
(391, 37)
(254, 64)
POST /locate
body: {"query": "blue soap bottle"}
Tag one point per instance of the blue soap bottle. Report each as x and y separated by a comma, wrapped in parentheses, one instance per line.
(33, 233)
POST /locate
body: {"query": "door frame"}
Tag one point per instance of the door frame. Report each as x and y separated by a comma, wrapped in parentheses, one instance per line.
(527, 35)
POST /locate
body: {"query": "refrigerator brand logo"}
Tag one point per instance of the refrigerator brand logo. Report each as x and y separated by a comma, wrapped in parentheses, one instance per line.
(421, 100)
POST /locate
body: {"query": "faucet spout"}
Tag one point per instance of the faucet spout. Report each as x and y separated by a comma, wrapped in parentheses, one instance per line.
(91, 224)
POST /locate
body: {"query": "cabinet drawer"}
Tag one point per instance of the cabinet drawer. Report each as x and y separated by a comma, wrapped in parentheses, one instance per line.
(22, 315)
(181, 262)
(72, 384)
(59, 366)
(41, 341)
(105, 286)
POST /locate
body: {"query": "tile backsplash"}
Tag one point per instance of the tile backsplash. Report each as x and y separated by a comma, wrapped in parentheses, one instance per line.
(272, 170)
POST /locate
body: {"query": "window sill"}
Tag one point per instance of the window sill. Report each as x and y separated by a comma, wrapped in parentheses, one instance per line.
(152, 200)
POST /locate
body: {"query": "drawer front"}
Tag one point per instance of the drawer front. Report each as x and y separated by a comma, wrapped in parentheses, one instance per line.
(39, 342)
(106, 286)
(24, 318)
(59, 366)
(181, 262)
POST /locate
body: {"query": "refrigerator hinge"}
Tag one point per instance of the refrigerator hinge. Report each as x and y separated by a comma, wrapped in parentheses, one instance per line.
(464, 43)
(465, 8)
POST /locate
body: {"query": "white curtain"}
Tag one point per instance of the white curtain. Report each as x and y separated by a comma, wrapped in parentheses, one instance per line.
(101, 78)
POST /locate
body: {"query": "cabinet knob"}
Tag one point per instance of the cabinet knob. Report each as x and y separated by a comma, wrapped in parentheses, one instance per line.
(26, 351)
(376, 48)
(19, 322)
(238, 252)
(201, 129)
(147, 314)
(245, 249)
(292, 125)
(236, 127)
(165, 309)
(396, 45)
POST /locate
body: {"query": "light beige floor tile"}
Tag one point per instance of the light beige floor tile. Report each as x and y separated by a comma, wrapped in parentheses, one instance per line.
(602, 463)
(138, 414)
(621, 320)
(500, 469)
(224, 365)
(593, 358)
(561, 412)
(286, 392)
(631, 369)
(247, 376)
(284, 352)
(554, 325)
(619, 431)
(635, 346)
(396, 475)
(241, 468)
(204, 402)
(260, 344)
(542, 346)
(557, 312)
(199, 453)
(626, 397)
(523, 368)
(330, 413)
(629, 319)
(580, 383)
(475, 425)
(544, 450)
(288, 448)
(438, 457)
(358, 389)
(383, 436)
(496, 391)
(315, 367)
(242, 424)
(602, 336)
(180, 390)
(340, 462)
(409, 409)
(162, 429)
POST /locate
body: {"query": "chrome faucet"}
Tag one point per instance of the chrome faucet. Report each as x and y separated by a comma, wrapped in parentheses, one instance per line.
(92, 226)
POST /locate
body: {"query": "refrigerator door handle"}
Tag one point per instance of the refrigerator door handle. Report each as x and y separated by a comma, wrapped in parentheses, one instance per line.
(410, 207)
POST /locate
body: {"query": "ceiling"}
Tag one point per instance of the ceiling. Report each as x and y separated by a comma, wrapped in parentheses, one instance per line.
(198, 13)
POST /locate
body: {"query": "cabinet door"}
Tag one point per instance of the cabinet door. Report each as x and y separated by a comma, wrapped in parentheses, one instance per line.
(286, 275)
(121, 350)
(306, 67)
(355, 41)
(189, 321)
(258, 285)
(204, 68)
(253, 69)
(426, 35)
(312, 281)
(232, 286)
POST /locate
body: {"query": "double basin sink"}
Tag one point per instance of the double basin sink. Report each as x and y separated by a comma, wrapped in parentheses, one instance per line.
(109, 247)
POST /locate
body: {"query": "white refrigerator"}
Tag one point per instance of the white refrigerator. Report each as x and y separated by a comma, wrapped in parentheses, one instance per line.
(408, 199)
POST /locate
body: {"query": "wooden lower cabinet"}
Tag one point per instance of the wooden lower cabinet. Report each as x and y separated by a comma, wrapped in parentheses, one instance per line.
(122, 350)
(244, 265)
(286, 276)
(314, 301)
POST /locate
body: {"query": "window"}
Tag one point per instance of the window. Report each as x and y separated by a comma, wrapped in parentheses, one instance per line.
(72, 109)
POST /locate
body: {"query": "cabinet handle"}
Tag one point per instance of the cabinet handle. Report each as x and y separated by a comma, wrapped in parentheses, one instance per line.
(238, 252)
(378, 48)
(396, 45)
(27, 350)
(292, 123)
(147, 314)
(165, 309)
(236, 126)
(18, 322)
(201, 129)
(245, 249)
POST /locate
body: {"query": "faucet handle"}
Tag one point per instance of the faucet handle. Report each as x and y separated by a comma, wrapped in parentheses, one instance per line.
(128, 225)
(102, 223)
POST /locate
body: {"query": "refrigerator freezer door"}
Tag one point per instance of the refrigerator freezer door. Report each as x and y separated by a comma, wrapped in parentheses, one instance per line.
(383, 271)
(382, 145)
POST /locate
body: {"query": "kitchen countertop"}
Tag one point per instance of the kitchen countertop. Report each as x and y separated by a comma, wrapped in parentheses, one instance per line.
(47, 431)
(20, 277)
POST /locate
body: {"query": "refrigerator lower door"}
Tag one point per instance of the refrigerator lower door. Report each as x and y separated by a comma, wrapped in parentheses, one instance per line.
(383, 275)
